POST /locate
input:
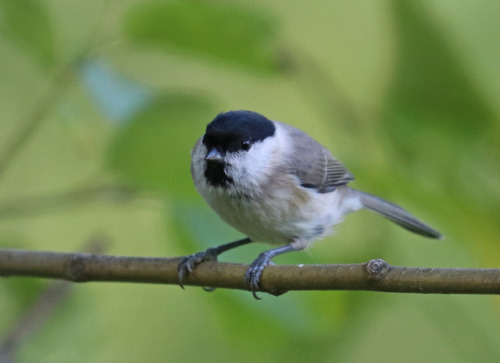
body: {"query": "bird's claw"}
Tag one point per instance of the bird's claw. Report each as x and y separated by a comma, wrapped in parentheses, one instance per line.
(188, 263)
(252, 276)
(254, 273)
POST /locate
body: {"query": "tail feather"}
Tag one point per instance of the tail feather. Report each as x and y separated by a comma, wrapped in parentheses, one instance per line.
(397, 215)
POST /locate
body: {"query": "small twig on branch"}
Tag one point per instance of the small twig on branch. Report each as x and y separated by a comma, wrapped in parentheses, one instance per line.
(375, 275)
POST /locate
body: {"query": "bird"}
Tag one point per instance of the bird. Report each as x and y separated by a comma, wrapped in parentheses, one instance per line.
(276, 184)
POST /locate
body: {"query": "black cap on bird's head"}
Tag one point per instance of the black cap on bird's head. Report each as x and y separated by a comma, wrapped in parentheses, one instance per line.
(237, 130)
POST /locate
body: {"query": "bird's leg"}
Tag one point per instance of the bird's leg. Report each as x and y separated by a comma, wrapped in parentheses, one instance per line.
(188, 263)
(254, 272)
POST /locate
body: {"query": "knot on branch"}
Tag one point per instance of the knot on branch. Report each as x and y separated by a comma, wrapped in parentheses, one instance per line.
(377, 268)
(77, 268)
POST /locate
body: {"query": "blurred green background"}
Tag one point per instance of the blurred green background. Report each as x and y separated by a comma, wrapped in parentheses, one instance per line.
(101, 102)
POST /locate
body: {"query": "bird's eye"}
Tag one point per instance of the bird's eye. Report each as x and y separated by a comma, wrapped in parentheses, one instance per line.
(245, 145)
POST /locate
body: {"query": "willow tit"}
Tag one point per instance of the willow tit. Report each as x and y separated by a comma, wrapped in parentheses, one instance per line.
(276, 184)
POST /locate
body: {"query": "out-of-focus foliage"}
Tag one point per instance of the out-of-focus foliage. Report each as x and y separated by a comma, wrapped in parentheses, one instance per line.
(146, 150)
(27, 24)
(220, 30)
(404, 93)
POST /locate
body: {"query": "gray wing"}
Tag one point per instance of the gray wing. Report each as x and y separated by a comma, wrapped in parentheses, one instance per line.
(313, 164)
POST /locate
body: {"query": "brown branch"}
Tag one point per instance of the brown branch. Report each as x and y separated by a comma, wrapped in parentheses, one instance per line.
(375, 275)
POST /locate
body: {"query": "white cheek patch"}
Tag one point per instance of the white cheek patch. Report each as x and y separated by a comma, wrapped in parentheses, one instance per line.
(251, 169)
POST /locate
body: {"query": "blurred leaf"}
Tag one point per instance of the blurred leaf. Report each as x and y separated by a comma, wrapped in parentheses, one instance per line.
(118, 96)
(153, 150)
(27, 24)
(279, 327)
(216, 30)
(200, 224)
(24, 291)
(433, 93)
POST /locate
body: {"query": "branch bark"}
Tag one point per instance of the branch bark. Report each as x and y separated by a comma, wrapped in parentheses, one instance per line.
(40, 309)
(376, 275)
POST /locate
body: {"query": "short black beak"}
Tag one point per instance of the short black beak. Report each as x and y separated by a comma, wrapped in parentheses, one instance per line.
(215, 156)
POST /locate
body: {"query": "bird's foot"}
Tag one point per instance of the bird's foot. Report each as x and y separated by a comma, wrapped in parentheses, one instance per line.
(254, 272)
(188, 263)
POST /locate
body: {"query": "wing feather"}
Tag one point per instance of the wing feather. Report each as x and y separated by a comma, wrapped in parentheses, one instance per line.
(313, 164)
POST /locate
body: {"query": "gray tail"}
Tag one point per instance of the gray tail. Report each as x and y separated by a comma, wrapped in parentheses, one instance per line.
(397, 214)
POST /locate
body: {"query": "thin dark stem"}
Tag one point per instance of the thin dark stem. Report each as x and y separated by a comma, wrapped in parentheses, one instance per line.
(34, 118)
(376, 275)
(32, 121)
